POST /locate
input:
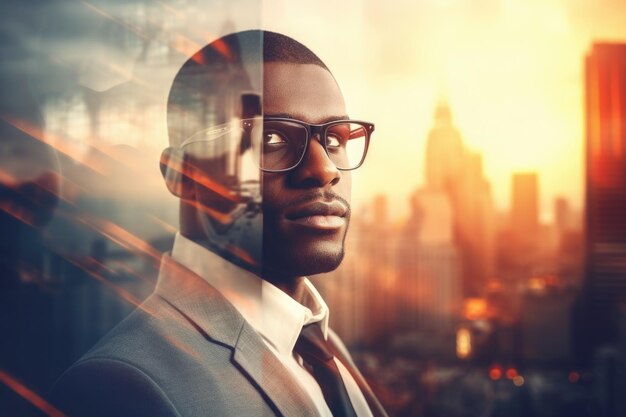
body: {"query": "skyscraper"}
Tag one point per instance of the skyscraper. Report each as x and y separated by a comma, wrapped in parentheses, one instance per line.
(525, 210)
(436, 264)
(454, 170)
(605, 218)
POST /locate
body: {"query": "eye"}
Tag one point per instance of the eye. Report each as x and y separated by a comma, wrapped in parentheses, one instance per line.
(273, 138)
(333, 141)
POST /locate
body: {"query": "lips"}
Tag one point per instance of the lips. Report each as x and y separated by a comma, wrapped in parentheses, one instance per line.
(319, 215)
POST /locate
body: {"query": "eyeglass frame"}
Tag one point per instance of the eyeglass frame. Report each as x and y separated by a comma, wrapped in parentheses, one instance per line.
(320, 130)
(312, 130)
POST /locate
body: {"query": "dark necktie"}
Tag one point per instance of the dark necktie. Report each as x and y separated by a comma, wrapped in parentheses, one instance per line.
(315, 352)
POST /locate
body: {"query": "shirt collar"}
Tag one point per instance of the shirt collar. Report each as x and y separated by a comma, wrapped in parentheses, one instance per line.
(269, 310)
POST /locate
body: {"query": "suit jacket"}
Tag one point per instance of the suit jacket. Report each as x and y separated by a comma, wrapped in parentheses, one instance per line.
(187, 352)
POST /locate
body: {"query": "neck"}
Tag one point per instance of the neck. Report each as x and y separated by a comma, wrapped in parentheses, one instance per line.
(191, 229)
(293, 287)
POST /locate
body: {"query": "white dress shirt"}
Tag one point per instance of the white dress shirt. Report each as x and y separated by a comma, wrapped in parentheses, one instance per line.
(276, 316)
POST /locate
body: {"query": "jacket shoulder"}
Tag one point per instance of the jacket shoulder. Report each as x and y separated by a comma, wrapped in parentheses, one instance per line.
(154, 363)
(99, 387)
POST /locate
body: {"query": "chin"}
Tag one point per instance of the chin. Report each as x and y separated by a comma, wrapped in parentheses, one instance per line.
(318, 262)
(298, 261)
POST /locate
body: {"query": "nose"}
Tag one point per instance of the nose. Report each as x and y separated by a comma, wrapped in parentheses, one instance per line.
(315, 169)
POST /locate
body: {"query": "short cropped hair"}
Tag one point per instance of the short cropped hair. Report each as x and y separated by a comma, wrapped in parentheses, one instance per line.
(281, 48)
(207, 89)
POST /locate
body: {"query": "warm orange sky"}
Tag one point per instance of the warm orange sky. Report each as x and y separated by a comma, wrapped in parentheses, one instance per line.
(511, 70)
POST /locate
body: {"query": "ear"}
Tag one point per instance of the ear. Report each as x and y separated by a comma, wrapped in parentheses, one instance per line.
(172, 166)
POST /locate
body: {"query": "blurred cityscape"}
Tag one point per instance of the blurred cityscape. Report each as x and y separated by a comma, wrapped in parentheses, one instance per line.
(457, 310)
(464, 311)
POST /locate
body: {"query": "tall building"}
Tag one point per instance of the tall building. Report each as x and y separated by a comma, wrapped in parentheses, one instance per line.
(524, 226)
(454, 170)
(605, 217)
(525, 208)
(433, 262)
(445, 152)
(569, 253)
(520, 234)
(545, 325)
(563, 217)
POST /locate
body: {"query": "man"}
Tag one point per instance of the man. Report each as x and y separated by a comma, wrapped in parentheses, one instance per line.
(232, 330)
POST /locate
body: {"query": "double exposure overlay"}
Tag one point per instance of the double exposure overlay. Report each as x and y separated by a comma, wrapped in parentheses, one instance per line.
(485, 263)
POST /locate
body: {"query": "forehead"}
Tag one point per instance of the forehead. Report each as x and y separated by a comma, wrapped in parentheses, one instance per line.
(304, 91)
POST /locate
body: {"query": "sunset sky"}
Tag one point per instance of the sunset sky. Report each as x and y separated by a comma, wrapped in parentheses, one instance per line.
(511, 70)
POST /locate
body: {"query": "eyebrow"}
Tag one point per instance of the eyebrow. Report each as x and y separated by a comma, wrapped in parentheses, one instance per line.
(296, 117)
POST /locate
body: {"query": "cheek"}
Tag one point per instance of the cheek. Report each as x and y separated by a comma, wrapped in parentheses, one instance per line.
(272, 185)
(344, 186)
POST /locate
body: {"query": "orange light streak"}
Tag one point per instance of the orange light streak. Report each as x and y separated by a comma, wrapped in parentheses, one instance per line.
(118, 235)
(195, 174)
(198, 57)
(121, 236)
(125, 73)
(171, 10)
(183, 347)
(241, 254)
(129, 270)
(71, 189)
(11, 181)
(16, 212)
(220, 46)
(116, 20)
(184, 45)
(96, 262)
(217, 215)
(124, 294)
(29, 395)
(168, 227)
(7, 178)
(55, 142)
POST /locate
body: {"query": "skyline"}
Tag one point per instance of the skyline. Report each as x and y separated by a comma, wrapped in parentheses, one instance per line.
(510, 70)
(498, 64)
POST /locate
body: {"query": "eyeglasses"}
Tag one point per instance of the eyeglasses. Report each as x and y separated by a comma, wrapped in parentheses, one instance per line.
(284, 142)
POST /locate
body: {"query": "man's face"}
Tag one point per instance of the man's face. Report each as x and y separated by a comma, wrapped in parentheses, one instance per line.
(305, 210)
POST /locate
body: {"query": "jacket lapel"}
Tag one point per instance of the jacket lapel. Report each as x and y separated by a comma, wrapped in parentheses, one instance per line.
(269, 374)
(222, 323)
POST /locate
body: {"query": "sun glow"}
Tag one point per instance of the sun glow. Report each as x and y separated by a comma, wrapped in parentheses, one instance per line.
(512, 71)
